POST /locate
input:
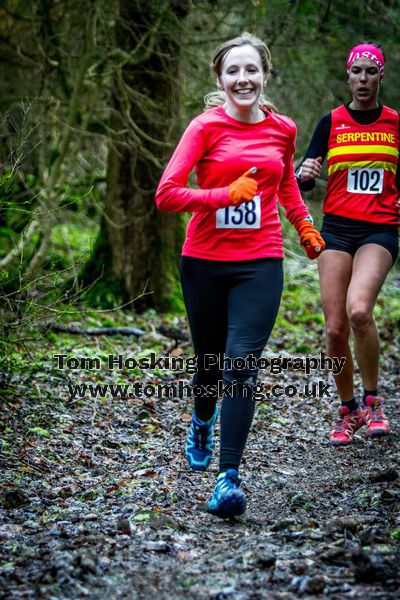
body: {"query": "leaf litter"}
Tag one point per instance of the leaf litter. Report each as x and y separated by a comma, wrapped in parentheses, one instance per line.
(96, 498)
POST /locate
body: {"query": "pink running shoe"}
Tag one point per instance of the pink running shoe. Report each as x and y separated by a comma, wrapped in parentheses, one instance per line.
(346, 426)
(375, 418)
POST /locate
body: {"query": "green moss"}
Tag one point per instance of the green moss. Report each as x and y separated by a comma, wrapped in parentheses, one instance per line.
(303, 348)
(40, 432)
(395, 534)
(175, 300)
(166, 279)
(100, 286)
(71, 241)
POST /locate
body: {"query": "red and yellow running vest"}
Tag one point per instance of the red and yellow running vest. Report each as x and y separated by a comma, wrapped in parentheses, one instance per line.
(362, 164)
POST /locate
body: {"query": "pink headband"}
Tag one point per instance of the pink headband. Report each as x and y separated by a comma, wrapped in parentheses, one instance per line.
(366, 51)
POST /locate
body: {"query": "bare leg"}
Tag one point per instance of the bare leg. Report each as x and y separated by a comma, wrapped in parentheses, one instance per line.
(335, 271)
(370, 267)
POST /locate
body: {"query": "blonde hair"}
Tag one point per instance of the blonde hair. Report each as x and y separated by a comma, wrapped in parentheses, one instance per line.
(218, 98)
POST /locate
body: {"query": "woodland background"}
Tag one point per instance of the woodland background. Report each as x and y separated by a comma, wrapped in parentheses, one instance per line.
(95, 94)
(94, 97)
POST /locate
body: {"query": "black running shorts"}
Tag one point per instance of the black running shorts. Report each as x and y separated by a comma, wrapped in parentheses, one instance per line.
(348, 235)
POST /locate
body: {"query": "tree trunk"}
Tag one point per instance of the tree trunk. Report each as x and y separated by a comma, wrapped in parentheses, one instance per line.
(143, 244)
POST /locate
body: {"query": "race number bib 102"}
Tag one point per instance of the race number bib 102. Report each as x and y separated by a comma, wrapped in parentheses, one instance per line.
(365, 181)
(245, 216)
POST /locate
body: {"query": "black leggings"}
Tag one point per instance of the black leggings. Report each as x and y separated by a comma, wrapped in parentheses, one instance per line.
(232, 307)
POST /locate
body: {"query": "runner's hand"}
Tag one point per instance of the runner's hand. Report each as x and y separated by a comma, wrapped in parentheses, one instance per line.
(311, 168)
(244, 188)
(310, 238)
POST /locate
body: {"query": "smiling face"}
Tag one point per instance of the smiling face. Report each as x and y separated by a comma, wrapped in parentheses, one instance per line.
(242, 79)
(364, 78)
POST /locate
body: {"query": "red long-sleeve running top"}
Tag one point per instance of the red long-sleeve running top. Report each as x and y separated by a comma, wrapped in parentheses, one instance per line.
(221, 149)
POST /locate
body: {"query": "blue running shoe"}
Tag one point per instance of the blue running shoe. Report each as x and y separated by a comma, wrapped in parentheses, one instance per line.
(200, 444)
(228, 499)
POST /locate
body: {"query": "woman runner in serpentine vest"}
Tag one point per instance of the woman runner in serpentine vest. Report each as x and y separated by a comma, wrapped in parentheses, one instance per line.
(360, 141)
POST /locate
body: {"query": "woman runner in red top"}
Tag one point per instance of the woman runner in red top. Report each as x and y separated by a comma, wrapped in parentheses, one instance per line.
(231, 266)
(361, 144)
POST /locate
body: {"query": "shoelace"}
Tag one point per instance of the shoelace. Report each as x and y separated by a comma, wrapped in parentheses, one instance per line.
(346, 422)
(201, 435)
(376, 414)
(228, 482)
(234, 479)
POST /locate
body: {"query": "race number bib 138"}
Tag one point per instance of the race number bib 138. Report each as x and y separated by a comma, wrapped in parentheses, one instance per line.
(365, 181)
(245, 216)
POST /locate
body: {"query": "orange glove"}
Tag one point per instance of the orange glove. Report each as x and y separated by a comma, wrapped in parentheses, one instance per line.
(244, 188)
(310, 238)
